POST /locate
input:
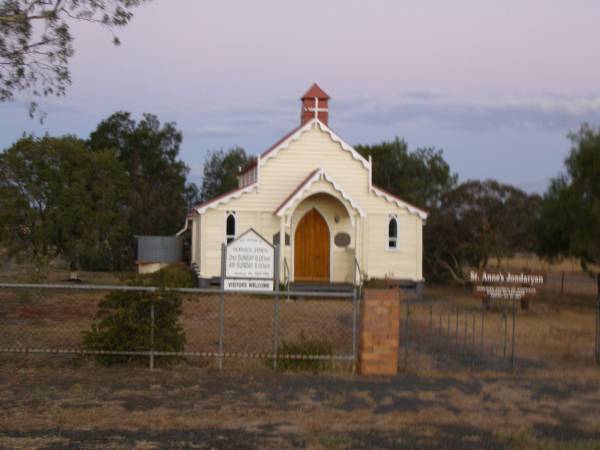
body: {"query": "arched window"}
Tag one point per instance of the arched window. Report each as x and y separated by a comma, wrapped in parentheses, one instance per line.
(393, 233)
(230, 226)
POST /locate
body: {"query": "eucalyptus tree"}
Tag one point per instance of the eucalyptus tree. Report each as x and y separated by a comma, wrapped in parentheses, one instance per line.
(421, 176)
(221, 169)
(569, 223)
(58, 199)
(36, 42)
(157, 190)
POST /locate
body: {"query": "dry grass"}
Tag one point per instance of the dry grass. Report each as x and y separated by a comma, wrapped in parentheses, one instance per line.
(38, 318)
(461, 410)
(554, 402)
(556, 330)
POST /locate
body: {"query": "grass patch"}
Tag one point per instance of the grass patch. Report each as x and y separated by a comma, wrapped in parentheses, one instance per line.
(526, 440)
(305, 348)
(176, 275)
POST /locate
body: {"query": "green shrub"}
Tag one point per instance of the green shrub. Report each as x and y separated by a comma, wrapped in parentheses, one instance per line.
(176, 275)
(123, 323)
(305, 347)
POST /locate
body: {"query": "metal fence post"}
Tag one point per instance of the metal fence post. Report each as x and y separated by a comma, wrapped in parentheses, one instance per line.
(430, 319)
(406, 334)
(466, 332)
(514, 319)
(598, 330)
(474, 320)
(152, 335)
(275, 330)
(354, 329)
(457, 334)
(505, 320)
(598, 321)
(222, 306)
(482, 330)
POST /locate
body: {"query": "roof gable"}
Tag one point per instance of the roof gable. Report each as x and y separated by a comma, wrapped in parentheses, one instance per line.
(304, 186)
(223, 198)
(391, 198)
(297, 133)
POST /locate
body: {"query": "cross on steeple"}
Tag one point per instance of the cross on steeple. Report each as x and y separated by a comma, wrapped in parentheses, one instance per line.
(315, 105)
(316, 109)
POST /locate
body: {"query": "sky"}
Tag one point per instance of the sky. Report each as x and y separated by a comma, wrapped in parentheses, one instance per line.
(496, 85)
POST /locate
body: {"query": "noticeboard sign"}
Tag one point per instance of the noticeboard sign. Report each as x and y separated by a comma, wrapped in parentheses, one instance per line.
(249, 263)
(506, 285)
(241, 284)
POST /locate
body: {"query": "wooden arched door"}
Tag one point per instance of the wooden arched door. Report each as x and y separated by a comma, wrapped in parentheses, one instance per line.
(311, 248)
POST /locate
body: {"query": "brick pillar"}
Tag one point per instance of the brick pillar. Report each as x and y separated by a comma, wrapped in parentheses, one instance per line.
(379, 332)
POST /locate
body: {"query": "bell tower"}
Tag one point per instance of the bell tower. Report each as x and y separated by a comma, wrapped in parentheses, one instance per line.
(315, 104)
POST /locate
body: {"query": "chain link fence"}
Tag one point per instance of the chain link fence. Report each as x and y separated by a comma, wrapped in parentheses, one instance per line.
(217, 326)
(597, 347)
(441, 334)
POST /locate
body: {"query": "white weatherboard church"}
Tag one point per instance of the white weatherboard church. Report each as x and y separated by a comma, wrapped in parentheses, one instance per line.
(317, 191)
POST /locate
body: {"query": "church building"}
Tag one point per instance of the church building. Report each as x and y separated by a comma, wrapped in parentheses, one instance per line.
(314, 194)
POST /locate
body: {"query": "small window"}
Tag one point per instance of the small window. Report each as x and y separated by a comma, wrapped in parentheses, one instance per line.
(230, 226)
(393, 233)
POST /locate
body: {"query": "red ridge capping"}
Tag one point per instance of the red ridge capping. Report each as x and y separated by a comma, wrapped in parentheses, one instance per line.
(398, 198)
(295, 191)
(269, 150)
(220, 196)
(276, 144)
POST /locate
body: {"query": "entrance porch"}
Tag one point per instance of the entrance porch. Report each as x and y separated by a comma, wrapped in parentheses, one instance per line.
(324, 227)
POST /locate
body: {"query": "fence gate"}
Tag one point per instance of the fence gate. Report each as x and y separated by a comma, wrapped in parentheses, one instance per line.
(442, 334)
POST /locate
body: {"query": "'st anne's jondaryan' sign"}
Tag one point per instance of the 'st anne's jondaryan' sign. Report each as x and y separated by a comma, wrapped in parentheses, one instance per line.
(249, 264)
(506, 285)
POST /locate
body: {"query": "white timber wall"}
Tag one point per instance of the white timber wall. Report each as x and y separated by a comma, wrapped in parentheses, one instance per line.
(281, 174)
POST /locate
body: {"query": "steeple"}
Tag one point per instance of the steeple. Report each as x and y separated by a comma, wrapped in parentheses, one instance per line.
(315, 103)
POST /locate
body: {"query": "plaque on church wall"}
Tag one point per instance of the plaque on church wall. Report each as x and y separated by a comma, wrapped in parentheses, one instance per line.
(342, 239)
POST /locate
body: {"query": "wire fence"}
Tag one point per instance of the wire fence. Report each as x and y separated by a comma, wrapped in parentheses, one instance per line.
(441, 334)
(597, 334)
(232, 328)
(214, 325)
(569, 282)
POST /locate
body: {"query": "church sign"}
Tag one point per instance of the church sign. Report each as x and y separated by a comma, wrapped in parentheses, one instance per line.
(249, 263)
(506, 285)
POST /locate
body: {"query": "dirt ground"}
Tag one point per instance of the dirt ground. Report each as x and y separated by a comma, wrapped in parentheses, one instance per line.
(184, 407)
(42, 318)
(65, 402)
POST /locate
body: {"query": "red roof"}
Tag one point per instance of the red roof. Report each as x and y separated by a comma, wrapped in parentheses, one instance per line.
(252, 164)
(276, 144)
(398, 198)
(218, 197)
(316, 91)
